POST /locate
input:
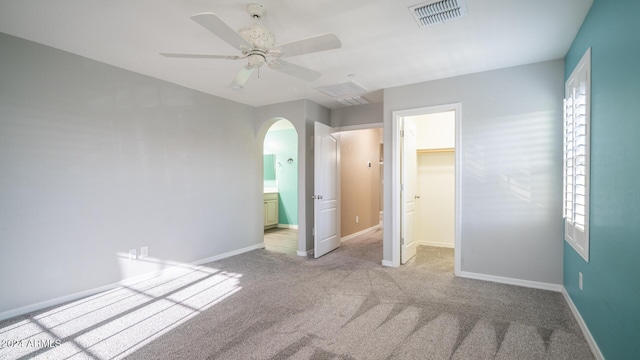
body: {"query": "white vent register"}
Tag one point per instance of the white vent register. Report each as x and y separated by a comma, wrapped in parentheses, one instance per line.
(438, 11)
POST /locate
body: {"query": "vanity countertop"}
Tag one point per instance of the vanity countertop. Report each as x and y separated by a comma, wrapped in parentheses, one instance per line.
(271, 190)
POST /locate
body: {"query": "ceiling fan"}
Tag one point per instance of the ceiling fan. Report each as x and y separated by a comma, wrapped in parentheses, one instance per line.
(256, 44)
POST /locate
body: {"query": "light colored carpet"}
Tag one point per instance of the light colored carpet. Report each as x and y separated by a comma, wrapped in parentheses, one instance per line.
(345, 305)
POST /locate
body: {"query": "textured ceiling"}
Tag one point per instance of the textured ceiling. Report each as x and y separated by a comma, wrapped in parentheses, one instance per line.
(382, 45)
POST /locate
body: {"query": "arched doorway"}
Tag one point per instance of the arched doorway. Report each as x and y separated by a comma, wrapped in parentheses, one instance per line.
(280, 156)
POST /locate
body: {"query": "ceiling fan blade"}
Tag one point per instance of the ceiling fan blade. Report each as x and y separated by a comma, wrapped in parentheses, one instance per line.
(294, 70)
(200, 56)
(213, 23)
(310, 45)
(242, 76)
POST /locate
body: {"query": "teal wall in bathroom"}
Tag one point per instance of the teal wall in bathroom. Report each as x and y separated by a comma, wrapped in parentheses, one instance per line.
(284, 144)
(610, 300)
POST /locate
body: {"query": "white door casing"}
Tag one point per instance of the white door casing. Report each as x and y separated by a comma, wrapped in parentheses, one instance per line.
(392, 238)
(408, 189)
(326, 190)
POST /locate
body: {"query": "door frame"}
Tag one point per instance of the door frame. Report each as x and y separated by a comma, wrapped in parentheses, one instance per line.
(396, 196)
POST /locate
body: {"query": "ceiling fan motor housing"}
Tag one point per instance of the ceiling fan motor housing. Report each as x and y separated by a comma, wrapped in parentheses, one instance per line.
(258, 36)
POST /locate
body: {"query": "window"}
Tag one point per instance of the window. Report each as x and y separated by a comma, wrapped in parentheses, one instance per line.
(577, 116)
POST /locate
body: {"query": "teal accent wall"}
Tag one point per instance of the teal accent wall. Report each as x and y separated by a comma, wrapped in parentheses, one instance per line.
(284, 144)
(610, 301)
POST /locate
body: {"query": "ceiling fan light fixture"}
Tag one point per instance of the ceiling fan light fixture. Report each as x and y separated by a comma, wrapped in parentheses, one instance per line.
(438, 11)
(256, 60)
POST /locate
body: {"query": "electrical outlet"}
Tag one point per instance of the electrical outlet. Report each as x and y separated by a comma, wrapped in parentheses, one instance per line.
(144, 251)
(132, 254)
(357, 219)
(580, 280)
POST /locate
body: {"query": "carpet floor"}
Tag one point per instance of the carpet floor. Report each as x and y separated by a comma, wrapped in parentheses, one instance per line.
(268, 305)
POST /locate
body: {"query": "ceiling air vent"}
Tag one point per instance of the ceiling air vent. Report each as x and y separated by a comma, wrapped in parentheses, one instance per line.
(343, 89)
(435, 12)
(356, 100)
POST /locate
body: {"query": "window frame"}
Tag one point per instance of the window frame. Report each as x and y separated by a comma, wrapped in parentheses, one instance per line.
(577, 145)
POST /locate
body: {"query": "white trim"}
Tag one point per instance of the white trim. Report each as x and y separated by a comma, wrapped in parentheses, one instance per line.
(437, 244)
(360, 127)
(583, 326)
(578, 239)
(387, 263)
(395, 179)
(228, 254)
(59, 300)
(457, 255)
(305, 253)
(287, 226)
(351, 236)
(82, 294)
(511, 281)
(395, 189)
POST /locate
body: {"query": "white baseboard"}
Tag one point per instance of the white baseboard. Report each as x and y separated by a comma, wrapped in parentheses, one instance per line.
(59, 300)
(82, 294)
(228, 254)
(287, 226)
(437, 244)
(387, 263)
(512, 281)
(305, 253)
(583, 326)
(351, 236)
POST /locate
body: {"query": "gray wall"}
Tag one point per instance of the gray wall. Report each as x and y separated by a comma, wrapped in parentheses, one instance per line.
(96, 160)
(357, 115)
(511, 174)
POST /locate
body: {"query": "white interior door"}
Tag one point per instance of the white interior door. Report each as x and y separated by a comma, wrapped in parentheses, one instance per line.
(326, 190)
(408, 241)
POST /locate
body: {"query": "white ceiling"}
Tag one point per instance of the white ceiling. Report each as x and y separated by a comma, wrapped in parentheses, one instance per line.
(382, 44)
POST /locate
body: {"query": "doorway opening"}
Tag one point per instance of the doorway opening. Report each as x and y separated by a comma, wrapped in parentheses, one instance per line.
(361, 185)
(348, 188)
(426, 186)
(280, 156)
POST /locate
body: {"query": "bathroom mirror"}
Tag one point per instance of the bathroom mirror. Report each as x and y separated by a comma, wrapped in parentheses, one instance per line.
(269, 167)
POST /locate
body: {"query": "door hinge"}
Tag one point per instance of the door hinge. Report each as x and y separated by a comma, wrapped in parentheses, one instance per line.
(401, 187)
(401, 241)
(401, 133)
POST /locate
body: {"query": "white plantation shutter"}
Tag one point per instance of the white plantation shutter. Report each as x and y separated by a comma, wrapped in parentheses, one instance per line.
(577, 115)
